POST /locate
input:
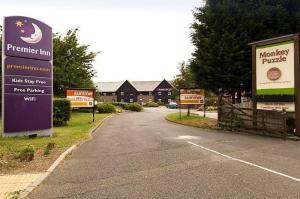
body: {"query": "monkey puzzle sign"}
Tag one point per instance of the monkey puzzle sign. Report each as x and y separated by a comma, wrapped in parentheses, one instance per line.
(80, 98)
(191, 96)
(275, 74)
(27, 77)
(275, 69)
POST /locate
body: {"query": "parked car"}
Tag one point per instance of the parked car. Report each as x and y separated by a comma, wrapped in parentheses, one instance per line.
(172, 105)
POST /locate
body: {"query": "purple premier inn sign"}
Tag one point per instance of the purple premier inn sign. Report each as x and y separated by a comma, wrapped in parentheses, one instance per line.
(27, 77)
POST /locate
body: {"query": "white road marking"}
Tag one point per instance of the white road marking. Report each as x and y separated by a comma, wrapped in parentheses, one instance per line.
(245, 162)
(187, 137)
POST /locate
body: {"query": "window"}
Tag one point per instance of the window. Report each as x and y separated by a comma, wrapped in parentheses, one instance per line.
(150, 93)
(169, 100)
(122, 93)
(131, 94)
(131, 100)
(159, 100)
(159, 93)
(169, 93)
(104, 94)
(113, 94)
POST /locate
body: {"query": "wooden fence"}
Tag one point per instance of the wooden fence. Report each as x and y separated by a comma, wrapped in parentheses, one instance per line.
(264, 122)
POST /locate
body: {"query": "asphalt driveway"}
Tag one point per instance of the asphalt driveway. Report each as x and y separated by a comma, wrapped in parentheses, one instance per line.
(141, 155)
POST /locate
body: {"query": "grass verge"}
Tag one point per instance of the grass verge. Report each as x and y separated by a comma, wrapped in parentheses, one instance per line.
(192, 120)
(76, 131)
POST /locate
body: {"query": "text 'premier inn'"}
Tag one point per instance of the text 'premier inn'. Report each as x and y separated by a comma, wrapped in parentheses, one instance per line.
(29, 50)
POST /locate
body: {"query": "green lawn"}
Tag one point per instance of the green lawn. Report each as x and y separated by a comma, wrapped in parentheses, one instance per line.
(76, 131)
(192, 120)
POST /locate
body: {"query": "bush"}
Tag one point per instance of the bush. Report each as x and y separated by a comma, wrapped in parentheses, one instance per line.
(123, 105)
(106, 108)
(61, 112)
(129, 106)
(212, 108)
(27, 154)
(134, 107)
(48, 148)
(151, 104)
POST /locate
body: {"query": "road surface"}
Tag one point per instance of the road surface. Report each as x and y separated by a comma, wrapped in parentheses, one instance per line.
(141, 155)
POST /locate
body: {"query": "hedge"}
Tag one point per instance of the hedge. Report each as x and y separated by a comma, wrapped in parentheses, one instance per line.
(123, 105)
(106, 108)
(61, 112)
(151, 104)
(134, 107)
(129, 106)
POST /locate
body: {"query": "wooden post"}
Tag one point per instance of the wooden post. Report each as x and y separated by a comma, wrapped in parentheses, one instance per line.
(254, 105)
(179, 111)
(297, 84)
(231, 117)
(263, 121)
(285, 130)
(204, 111)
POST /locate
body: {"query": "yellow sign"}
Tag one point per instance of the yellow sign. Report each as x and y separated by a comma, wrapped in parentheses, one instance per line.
(191, 96)
(81, 98)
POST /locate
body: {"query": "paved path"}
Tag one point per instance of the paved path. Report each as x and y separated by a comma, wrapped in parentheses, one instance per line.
(140, 155)
(16, 183)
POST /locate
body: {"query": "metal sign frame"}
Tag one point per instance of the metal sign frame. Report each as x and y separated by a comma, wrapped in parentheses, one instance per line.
(188, 105)
(94, 95)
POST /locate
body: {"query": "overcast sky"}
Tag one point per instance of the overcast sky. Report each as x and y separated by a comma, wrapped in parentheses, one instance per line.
(138, 39)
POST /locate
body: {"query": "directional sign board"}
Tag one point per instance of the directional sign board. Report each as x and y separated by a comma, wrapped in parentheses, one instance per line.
(191, 96)
(81, 98)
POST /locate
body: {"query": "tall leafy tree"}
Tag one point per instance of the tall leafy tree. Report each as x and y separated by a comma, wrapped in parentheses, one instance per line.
(72, 63)
(221, 32)
(185, 77)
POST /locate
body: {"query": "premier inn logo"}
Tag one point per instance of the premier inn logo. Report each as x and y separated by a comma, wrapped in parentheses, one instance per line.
(29, 32)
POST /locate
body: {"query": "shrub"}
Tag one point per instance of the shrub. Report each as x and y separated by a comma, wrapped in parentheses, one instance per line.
(61, 112)
(48, 148)
(134, 107)
(123, 105)
(212, 108)
(151, 104)
(27, 154)
(106, 108)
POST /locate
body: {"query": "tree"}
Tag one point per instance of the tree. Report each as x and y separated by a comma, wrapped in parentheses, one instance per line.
(185, 78)
(221, 32)
(72, 63)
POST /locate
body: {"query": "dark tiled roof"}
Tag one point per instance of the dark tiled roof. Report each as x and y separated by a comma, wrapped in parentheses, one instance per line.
(139, 85)
(145, 85)
(108, 86)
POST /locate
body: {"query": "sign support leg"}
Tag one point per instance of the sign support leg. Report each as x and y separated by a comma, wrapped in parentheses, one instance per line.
(297, 85)
(94, 106)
